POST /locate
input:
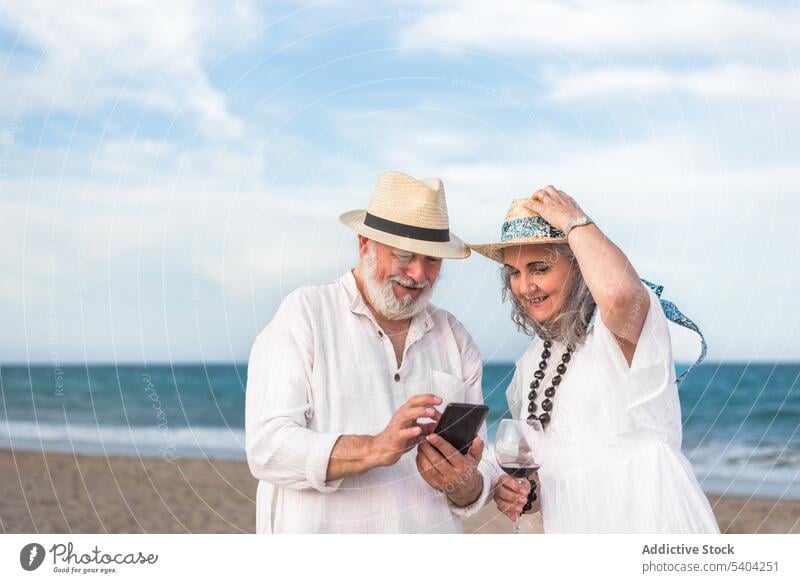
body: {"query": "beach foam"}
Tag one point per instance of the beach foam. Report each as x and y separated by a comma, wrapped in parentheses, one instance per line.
(197, 442)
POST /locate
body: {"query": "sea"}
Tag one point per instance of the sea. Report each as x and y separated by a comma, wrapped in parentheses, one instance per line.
(741, 422)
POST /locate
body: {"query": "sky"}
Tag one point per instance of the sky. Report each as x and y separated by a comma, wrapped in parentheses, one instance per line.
(169, 171)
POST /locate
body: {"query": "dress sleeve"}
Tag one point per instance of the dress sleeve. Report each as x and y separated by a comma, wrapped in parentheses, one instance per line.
(648, 385)
(280, 448)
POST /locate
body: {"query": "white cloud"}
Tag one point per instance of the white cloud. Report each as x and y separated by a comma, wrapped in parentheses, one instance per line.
(147, 53)
(728, 81)
(644, 30)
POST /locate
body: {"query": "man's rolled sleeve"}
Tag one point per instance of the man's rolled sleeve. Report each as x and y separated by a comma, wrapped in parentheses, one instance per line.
(317, 462)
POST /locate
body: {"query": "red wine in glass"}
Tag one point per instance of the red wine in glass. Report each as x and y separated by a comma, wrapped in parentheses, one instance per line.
(516, 470)
(513, 450)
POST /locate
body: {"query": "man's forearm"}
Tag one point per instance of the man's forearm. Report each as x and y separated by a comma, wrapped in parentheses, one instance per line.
(352, 455)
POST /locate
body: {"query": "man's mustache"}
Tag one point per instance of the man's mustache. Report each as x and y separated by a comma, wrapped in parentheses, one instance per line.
(408, 282)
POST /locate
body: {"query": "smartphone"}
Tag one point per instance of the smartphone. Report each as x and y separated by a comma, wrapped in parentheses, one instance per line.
(460, 423)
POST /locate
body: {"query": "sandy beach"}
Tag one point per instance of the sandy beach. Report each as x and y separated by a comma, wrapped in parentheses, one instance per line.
(59, 493)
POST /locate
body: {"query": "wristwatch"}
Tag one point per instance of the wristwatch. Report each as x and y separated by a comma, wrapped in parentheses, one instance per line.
(579, 222)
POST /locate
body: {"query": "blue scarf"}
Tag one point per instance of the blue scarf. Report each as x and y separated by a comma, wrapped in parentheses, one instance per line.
(675, 315)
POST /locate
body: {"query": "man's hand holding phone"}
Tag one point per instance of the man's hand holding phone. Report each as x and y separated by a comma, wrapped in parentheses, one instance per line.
(443, 466)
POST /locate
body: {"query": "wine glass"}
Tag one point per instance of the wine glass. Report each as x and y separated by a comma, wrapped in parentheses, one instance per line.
(513, 449)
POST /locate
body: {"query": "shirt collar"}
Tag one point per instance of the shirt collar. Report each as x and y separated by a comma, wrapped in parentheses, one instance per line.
(422, 321)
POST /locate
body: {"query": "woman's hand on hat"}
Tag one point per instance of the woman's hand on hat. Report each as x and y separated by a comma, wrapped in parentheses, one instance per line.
(554, 206)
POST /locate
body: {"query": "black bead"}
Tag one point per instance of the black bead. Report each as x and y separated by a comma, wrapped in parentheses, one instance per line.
(532, 395)
(539, 374)
(557, 380)
(544, 418)
(532, 407)
(535, 384)
(565, 357)
(547, 405)
(547, 344)
(543, 365)
(546, 353)
(550, 393)
(531, 498)
(532, 419)
(561, 368)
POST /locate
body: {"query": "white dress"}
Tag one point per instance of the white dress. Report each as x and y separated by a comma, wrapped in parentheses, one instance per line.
(610, 457)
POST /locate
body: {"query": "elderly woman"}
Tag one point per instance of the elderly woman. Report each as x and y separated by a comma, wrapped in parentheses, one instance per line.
(598, 381)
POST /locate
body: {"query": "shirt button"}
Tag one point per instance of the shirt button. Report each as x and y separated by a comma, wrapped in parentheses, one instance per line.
(396, 376)
(380, 333)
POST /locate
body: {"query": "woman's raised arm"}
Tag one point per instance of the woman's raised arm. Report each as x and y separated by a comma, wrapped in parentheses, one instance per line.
(621, 297)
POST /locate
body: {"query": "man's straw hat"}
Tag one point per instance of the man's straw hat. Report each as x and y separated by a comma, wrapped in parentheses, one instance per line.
(520, 227)
(408, 214)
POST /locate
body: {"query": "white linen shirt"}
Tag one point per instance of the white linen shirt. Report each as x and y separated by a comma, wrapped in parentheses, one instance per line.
(323, 368)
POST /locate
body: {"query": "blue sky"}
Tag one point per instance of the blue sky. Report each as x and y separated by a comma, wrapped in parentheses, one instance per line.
(169, 171)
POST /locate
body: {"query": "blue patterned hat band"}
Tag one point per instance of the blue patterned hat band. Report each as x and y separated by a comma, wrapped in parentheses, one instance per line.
(529, 227)
(520, 227)
(675, 315)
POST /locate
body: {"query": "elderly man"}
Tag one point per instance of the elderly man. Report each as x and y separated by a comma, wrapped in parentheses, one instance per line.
(351, 375)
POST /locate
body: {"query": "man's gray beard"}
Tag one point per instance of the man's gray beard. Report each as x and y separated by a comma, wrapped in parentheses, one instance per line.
(381, 295)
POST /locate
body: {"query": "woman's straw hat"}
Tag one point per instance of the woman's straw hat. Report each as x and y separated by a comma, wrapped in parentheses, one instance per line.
(520, 227)
(408, 214)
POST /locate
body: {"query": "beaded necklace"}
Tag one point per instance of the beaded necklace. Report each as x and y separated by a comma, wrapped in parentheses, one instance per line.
(547, 403)
(550, 392)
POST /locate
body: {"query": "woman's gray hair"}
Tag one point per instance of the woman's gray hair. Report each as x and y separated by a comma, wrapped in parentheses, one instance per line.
(570, 326)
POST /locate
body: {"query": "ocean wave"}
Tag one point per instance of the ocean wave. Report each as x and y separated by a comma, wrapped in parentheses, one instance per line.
(744, 469)
(153, 441)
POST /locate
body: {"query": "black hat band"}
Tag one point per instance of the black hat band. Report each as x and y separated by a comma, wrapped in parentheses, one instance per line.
(401, 230)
